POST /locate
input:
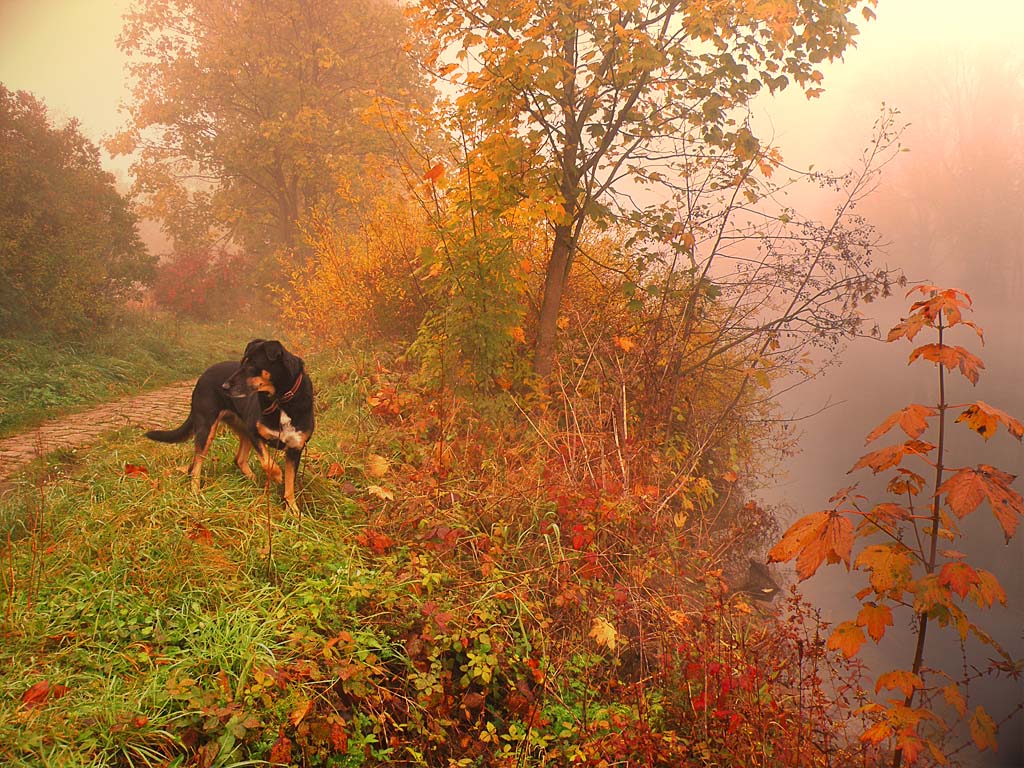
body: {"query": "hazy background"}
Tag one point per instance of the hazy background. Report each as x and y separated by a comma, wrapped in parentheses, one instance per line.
(950, 210)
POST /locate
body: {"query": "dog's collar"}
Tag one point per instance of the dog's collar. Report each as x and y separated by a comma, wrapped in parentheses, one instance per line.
(286, 397)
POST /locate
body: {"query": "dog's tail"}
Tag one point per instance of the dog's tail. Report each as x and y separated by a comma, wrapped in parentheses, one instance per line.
(178, 435)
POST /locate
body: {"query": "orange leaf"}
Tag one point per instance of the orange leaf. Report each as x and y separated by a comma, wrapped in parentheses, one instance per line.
(884, 458)
(900, 679)
(951, 357)
(335, 470)
(987, 590)
(846, 637)
(300, 712)
(812, 540)
(966, 489)
(983, 730)
(955, 699)
(913, 420)
(877, 733)
(875, 618)
(135, 470)
(985, 419)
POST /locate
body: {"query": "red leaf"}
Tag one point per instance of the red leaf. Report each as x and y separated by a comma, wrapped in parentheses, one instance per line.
(135, 470)
(435, 173)
(959, 577)
(335, 470)
(40, 693)
(281, 752)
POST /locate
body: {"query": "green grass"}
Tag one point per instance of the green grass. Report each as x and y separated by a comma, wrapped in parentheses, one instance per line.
(44, 377)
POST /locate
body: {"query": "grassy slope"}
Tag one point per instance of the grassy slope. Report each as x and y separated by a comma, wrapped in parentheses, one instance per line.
(43, 378)
(454, 625)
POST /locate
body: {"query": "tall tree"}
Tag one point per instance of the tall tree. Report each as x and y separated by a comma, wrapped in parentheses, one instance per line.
(69, 250)
(594, 108)
(244, 114)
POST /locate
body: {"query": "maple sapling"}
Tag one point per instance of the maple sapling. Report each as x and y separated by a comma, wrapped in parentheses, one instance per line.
(906, 569)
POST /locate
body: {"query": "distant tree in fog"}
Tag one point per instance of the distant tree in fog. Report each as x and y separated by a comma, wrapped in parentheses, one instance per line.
(245, 114)
(69, 250)
(959, 193)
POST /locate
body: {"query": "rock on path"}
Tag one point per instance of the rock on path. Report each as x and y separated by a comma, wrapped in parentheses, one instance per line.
(165, 408)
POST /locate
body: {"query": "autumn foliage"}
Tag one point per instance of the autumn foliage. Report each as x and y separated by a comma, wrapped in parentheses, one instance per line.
(900, 554)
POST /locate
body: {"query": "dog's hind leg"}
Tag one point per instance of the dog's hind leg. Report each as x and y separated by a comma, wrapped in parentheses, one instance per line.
(204, 437)
(244, 444)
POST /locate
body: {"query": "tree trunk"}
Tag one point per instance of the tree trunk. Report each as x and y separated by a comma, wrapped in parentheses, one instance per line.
(554, 287)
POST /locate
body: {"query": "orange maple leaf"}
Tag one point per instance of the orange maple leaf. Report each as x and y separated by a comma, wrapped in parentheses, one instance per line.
(875, 618)
(902, 680)
(847, 637)
(814, 539)
(889, 566)
(890, 456)
(985, 419)
(435, 173)
(983, 730)
(988, 590)
(966, 489)
(951, 357)
(913, 420)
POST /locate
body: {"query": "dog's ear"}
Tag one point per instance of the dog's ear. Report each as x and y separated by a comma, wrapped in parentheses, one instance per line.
(251, 347)
(273, 350)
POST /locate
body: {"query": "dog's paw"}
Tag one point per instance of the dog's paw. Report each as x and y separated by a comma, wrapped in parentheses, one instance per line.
(292, 506)
(274, 473)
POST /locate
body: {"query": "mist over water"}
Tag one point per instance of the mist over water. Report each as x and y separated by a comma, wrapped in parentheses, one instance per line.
(950, 213)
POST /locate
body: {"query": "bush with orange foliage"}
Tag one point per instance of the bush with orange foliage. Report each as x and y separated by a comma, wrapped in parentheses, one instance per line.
(363, 280)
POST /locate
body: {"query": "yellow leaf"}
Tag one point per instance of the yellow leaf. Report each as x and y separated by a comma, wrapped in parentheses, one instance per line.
(300, 712)
(604, 634)
(376, 466)
(381, 493)
(518, 334)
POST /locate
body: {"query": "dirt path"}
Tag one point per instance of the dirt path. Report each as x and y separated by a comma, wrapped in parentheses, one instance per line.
(164, 408)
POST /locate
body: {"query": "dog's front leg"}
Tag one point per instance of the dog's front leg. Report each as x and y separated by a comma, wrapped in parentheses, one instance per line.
(291, 468)
(271, 469)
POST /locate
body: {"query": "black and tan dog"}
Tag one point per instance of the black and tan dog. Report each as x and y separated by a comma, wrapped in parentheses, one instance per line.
(266, 400)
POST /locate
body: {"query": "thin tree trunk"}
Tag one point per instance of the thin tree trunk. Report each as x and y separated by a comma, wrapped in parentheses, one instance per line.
(554, 287)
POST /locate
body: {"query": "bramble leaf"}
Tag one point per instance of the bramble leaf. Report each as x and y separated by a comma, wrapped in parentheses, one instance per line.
(604, 634)
(955, 699)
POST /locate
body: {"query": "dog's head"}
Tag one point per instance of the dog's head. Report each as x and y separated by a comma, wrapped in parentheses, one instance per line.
(266, 367)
